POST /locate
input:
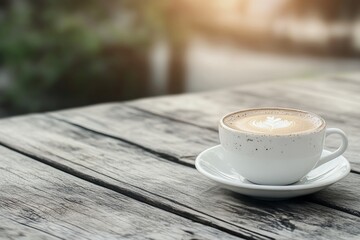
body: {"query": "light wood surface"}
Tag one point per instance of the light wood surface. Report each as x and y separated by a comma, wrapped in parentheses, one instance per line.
(56, 205)
(126, 170)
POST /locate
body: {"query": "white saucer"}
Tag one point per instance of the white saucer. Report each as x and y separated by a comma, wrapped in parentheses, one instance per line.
(212, 164)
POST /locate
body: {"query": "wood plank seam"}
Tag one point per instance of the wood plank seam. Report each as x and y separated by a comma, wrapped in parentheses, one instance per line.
(75, 209)
(35, 217)
(54, 140)
(37, 229)
(192, 215)
(169, 118)
(156, 153)
(346, 210)
(339, 208)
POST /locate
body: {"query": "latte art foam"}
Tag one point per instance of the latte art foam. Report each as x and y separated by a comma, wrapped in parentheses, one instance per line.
(273, 121)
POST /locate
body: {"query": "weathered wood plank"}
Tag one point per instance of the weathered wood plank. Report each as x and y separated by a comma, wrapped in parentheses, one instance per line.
(82, 159)
(171, 186)
(343, 195)
(15, 230)
(54, 205)
(328, 98)
(109, 119)
(174, 141)
(316, 93)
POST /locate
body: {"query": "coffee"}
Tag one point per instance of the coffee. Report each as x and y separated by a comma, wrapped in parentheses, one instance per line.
(276, 146)
(273, 121)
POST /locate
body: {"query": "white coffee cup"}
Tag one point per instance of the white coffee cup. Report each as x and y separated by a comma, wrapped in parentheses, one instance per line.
(277, 159)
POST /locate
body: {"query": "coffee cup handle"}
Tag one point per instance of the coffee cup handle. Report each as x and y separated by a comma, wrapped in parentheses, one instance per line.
(328, 157)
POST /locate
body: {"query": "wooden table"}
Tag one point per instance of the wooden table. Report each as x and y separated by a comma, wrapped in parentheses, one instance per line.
(126, 170)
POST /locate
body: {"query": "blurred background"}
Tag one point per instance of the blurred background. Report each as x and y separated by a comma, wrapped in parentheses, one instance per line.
(60, 54)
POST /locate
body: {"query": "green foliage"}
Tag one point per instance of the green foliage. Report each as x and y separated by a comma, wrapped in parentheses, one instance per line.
(64, 53)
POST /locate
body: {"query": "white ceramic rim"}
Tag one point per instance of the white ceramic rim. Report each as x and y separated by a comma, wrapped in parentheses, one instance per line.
(318, 129)
(267, 187)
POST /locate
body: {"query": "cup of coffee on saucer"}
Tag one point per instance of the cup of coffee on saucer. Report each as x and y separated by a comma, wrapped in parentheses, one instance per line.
(274, 148)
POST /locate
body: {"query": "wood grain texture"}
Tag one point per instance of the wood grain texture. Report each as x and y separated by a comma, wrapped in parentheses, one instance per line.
(335, 99)
(343, 195)
(14, 230)
(169, 139)
(145, 176)
(109, 119)
(40, 202)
